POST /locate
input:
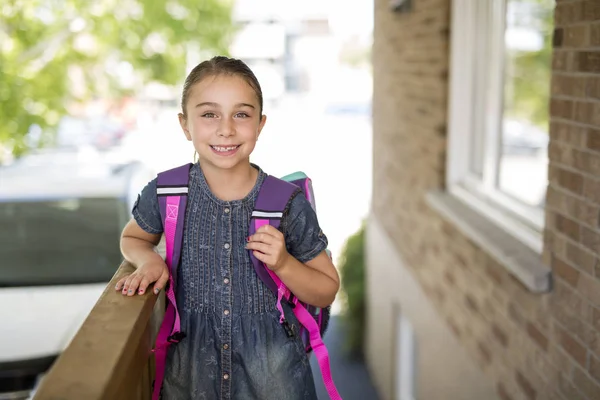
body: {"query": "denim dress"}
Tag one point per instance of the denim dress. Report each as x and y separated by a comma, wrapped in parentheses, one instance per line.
(235, 347)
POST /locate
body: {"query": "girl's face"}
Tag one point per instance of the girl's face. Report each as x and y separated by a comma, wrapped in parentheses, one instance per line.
(223, 120)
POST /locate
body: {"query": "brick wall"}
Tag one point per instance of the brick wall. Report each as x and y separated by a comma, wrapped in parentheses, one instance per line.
(530, 346)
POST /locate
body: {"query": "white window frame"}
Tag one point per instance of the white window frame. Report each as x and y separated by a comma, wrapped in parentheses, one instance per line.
(477, 55)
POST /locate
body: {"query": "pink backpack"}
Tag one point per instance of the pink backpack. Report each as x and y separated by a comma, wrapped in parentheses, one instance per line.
(274, 195)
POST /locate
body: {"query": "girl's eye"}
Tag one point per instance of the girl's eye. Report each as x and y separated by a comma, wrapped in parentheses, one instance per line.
(209, 115)
(241, 115)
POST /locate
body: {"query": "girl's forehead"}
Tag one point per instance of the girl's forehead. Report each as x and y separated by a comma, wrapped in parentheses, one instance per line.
(223, 87)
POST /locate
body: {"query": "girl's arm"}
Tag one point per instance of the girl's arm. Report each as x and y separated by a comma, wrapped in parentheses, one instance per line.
(138, 245)
(315, 282)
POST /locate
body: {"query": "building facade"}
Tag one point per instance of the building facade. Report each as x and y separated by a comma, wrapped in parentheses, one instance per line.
(483, 240)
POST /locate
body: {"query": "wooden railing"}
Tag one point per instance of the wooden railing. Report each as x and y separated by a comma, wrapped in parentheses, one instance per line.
(110, 356)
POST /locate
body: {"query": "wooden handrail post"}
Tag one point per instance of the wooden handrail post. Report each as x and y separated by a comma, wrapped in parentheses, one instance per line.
(110, 357)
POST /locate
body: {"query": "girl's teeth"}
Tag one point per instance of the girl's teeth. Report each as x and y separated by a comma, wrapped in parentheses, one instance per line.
(217, 148)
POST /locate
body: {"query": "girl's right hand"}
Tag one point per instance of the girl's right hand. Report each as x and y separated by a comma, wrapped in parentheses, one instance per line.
(144, 275)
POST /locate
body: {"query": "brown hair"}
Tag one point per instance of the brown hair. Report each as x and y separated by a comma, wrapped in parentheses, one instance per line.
(221, 65)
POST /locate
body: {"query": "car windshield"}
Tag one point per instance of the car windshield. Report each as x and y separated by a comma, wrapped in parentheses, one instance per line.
(56, 242)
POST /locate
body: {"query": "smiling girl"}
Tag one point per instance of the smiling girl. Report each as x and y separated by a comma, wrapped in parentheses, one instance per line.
(235, 346)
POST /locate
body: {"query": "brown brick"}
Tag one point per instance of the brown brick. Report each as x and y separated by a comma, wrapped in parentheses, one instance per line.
(576, 36)
(567, 13)
(591, 190)
(449, 277)
(593, 140)
(592, 87)
(590, 239)
(561, 108)
(585, 384)
(593, 341)
(502, 393)
(580, 257)
(570, 180)
(565, 297)
(537, 336)
(566, 387)
(588, 61)
(515, 315)
(588, 213)
(591, 10)
(453, 326)
(572, 323)
(500, 335)
(525, 386)
(565, 85)
(561, 60)
(567, 226)
(471, 303)
(595, 35)
(596, 318)
(595, 368)
(573, 347)
(586, 112)
(589, 288)
(485, 354)
(586, 162)
(565, 132)
(565, 271)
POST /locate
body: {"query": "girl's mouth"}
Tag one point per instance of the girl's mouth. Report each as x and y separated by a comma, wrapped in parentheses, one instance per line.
(225, 150)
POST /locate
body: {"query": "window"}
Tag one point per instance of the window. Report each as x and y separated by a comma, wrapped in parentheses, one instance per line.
(499, 118)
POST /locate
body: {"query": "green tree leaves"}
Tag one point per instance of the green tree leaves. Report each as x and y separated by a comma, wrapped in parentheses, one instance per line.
(54, 53)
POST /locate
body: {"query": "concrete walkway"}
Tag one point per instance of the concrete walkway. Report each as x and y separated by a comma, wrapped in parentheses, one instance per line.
(351, 377)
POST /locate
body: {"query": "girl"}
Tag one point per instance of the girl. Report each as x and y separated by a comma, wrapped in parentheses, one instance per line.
(235, 347)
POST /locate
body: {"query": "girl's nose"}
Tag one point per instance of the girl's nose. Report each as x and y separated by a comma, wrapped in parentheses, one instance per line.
(226, 128)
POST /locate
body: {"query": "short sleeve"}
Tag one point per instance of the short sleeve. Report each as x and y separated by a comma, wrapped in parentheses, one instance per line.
(146, 210)
(303, 236)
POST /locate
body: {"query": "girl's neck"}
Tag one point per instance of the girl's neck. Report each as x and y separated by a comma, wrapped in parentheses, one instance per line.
(230, 184)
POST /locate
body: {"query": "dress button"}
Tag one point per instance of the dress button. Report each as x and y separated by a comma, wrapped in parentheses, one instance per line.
(226, 281)
(225, 346)
(226, 210)
(225, 376)
(226, 245)
(226, 312)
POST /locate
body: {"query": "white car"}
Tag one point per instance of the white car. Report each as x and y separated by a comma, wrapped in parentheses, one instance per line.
(61, 216)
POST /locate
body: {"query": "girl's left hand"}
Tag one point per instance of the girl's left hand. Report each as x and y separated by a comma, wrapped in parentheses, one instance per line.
(268, 245)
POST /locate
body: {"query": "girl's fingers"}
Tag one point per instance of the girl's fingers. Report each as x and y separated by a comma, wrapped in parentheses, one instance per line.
(259, 246)
(161, 282)
(261, 256)
(126, 284)
(120, 284)
(133, 285)
(143, 285)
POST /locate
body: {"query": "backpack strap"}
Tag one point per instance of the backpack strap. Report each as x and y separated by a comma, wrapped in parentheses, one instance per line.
(273, 197)
(272, 200)
(172, 191)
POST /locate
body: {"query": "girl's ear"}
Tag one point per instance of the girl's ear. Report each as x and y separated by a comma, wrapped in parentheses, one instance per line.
(261, 125)
(183, 123)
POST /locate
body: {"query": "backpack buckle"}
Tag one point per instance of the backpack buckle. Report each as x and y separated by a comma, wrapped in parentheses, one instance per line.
(289, 329)
(292, 301)
(176, 337)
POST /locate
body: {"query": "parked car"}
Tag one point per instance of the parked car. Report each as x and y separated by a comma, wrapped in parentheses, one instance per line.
(60, 218)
